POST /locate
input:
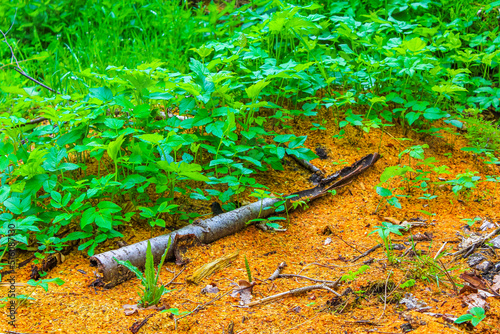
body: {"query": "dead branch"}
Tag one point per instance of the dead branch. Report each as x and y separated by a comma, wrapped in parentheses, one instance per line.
(20, 71)
(366, 253)
(357, 250)
(277, 272)
(206, 232)
(175, 276)
(440, 250)
(474, 245)
(385, 295)
(136, 326)
(328, 286)
(307, 165)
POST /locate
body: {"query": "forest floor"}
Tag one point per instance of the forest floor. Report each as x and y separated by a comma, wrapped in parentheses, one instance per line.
(319, 243)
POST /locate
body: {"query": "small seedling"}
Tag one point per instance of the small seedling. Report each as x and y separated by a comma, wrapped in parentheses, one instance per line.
(43, 283)
(249, 273)
(384, 231)
(475, 316)
(408, 284)
(352, 275)
(471, 221)
(174, 311)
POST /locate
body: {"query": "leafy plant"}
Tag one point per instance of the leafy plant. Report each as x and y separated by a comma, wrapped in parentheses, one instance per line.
(471, 221)
(150, 293)
(482, 134)
(475, 316)
(352, 275)
(43, 283)
(223, 102)
(428, 268)
(464, 182)
(407, 284)
(384, 231)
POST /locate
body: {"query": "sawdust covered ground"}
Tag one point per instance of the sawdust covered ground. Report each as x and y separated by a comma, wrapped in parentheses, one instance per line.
(77, 308)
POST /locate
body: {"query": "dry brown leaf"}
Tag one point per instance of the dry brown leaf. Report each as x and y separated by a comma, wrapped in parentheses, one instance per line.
(422, 237)
(476, 300)
(244, 291)
(496, 284)
(391, 220)
(130, 309)
(474, 280)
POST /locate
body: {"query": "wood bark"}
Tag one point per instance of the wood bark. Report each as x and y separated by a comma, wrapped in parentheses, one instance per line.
(206, 231)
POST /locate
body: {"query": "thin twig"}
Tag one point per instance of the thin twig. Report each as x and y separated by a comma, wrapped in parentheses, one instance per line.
(306, 164)
(199, 307)
(17, 67)
(305, 277)
(449, 277)
(175, 276)
(335, 266)
(20, 71)
(366, 253)
(13, 56)
(357, 250)
(385, 295)
(478, 242)
(277, 272)
(302, 323)
(440, 250)
(327, 286)
(364, 322)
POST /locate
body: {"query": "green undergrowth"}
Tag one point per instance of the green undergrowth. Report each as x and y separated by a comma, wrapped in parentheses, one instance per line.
(163, 101)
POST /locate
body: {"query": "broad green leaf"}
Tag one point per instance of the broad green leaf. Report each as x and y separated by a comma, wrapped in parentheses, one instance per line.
(102, 93)
(153, 138)
(114, 147)
(109, 205)
(416, 44)
(393, 171)
(383, 192)
(254, 90)
(4, 192)
(114, 123)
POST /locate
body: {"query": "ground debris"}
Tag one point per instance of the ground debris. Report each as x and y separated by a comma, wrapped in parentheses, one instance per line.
(209, 268)
(411, 302)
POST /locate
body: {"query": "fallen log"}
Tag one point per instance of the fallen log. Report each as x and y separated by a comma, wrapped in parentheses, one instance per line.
(215, 228)
(206, 231)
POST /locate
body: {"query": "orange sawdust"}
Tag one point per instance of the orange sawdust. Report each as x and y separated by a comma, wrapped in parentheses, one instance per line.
(77, 308)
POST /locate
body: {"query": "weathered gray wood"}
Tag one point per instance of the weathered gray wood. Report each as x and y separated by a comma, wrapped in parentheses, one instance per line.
(206, 231)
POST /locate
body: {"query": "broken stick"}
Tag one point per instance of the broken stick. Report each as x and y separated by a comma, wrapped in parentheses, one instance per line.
(326, 286)
(366, 253)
